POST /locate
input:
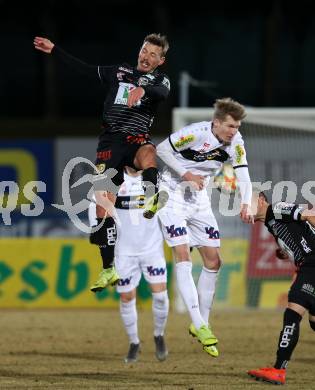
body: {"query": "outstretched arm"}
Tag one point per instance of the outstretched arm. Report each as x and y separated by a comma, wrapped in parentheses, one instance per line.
(43, 44)
(48, 47)
(309, 216)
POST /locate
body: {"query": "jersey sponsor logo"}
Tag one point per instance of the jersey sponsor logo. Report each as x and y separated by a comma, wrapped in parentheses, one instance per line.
(306, 248)
(124, 282)
(156, 271)
(308, 288)
(184, 140)
(111, 235)
(216, 155)
(125, 69)
(123, 93)
(283, 208)
(104, 155)
(239, 153)
(143, 81)
(166, 82)
(176, 232)
(212, 233)
(285, 339)
(137, 203)
(206, 145)
(100, 168)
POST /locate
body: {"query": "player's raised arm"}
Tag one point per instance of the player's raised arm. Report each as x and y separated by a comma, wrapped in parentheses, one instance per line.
(48, 47)
(43, 44)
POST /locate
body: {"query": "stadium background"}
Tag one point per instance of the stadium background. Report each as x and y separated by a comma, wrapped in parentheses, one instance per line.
(260, 54)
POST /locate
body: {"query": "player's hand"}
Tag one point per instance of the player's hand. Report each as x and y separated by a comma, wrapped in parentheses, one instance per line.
(43, 44)
(198, 181)
(281, 254)
(246, 214)
(135, 96)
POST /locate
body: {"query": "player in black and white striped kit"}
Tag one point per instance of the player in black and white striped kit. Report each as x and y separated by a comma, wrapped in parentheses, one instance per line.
(129, 108)
(294, 230)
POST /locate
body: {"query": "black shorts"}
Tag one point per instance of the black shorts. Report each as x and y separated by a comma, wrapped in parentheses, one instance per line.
(302, 290)
(117, 150)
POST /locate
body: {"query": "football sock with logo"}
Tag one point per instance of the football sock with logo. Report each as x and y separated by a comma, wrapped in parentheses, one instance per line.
(289, 337)
(206, 290)
(108, 241)
(129, 316)
(188, 291)
(160, 306)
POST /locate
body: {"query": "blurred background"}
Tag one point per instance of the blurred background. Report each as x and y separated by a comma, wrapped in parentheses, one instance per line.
(261, 54)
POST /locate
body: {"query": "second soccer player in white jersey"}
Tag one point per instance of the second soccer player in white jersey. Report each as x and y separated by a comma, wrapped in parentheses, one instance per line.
(192, 155)
(132, 260)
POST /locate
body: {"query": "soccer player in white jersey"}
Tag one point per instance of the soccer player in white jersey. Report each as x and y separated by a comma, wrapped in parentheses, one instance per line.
(193, 154)
(131, 261)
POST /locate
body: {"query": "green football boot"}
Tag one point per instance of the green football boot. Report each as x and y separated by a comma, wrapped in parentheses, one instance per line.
(206, 338)
(108, 276)
(155, 203)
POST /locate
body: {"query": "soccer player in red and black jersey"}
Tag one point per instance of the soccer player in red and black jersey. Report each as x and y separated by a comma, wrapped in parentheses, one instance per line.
(294, 230)
(129, 109)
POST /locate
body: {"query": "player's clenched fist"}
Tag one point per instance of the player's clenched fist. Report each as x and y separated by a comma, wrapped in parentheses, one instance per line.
(43, 44)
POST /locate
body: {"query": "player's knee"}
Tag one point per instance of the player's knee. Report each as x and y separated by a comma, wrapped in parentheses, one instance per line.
(160, 299)
(312, 325)
(106, 234)
(127, 297)
(213, 263)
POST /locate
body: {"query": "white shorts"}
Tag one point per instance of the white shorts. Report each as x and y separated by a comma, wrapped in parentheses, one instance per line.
(130, 268)
(189, 222)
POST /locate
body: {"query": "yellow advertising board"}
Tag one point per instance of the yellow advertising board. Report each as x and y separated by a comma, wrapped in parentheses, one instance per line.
(231, 284)
(54, 273)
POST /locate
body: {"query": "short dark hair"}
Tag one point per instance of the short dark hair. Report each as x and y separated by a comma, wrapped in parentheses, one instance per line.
(158, 40)
(263, 195)
(228, 106)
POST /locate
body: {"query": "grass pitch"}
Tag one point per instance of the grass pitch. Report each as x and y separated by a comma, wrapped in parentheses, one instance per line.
(84, 349)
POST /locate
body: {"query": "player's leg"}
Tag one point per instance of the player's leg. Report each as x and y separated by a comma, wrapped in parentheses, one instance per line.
(207, 279)
(160, 308)
(107, 179)
(129, 316)
(174, 227)
(155, 273)
(130, 274)
(299, 302)
(145, 159)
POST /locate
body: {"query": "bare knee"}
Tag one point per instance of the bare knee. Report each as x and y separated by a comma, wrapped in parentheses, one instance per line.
(126, 297)
(181, 253)
(211, 258)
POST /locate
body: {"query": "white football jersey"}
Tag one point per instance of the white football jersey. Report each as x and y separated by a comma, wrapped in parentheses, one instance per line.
(199, 151)
(136, 235)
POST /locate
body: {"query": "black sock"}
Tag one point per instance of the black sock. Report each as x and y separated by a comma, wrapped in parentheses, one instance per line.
(150, 180)
(289, 337)
(107, 249)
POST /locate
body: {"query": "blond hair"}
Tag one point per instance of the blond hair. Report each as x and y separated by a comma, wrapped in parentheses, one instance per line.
(228, 106)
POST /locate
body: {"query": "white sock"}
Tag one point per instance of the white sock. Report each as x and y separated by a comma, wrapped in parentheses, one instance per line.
(206, 290)
(160, 305)
(187, 288)
(129, 316)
